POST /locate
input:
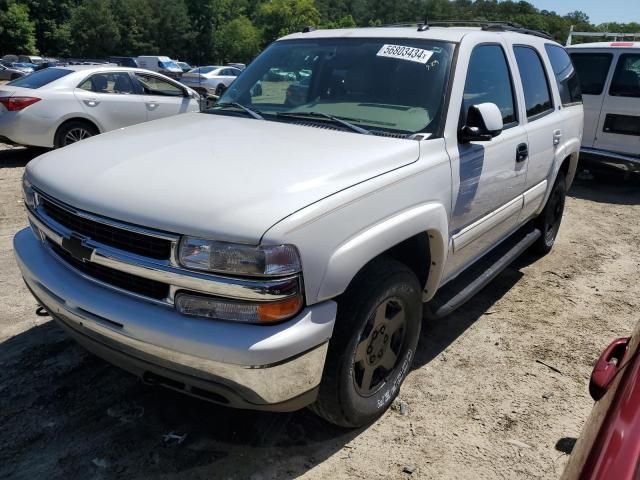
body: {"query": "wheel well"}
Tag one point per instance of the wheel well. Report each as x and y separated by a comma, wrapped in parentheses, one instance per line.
(414, 252)
(75, 119)
(565, 168)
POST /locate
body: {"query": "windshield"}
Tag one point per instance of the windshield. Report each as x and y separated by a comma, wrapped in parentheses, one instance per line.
(170, 64)
(397, 88)
(40, 78)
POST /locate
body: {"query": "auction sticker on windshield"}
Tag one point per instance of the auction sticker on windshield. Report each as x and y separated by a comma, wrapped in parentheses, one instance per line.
(412, 54)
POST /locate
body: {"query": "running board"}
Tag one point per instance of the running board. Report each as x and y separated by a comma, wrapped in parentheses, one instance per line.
(458, 291)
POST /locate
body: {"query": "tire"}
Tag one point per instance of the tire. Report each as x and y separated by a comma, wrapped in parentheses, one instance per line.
(361, 343)
(14, 76)
(220, 90)
(74, 131)
(549, 220)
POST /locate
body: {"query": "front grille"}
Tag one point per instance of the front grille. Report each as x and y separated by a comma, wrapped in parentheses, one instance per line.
(125, 281)
(138, 243)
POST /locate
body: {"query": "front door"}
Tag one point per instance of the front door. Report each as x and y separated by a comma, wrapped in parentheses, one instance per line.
(487, 177)
(163, 98)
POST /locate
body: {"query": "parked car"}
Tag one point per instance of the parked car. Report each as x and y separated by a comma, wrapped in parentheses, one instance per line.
(23, 67)
(272, 257)
(239, 66)
(163, 65)
(184, 66)
(124, 61)
(212, 80)
(610, 79)
(33, 59)
(609, 445)
(59, 106)
(10, 73)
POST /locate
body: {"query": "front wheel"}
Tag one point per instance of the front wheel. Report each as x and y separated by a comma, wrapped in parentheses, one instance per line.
(549, 220)
(372, 346)
(220, 90)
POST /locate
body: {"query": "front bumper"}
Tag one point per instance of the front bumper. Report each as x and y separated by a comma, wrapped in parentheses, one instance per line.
(276, 367)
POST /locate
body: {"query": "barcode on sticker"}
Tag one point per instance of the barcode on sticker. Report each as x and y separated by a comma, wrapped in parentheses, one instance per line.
(418, 55)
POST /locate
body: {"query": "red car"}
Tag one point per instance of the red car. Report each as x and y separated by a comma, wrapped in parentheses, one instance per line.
(609, 446)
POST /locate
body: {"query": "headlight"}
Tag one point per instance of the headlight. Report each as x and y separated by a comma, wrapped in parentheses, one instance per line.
(28, 194)
(221, 309)
(237, 259)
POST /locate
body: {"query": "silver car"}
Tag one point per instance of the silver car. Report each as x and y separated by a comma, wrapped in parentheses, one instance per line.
(58, 106)
(212, 80)
(10, 73)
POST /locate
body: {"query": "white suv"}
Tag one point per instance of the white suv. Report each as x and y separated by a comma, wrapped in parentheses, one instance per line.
(275, 252)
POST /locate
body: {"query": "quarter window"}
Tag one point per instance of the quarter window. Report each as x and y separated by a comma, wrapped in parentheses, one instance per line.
(626, 79)
(108, 83)
(565, 73)
(537, 95)
(489, 80)
(592, 71)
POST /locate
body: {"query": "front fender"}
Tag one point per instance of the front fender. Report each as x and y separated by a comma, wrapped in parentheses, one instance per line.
(357, 251)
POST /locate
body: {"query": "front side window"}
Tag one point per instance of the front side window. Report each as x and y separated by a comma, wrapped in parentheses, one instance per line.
(118, 83)
(626, 79)
(592, 71)
(566, 77)
(392, 85)
(40, 78)
(152, 85)
(537, 95)
(489, 80)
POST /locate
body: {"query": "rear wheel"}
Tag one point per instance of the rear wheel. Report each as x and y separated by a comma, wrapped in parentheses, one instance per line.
(549, 220)
(74, 131)
(372, 346)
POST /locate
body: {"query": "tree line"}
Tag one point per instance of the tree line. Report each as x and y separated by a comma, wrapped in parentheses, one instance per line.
(206, 31)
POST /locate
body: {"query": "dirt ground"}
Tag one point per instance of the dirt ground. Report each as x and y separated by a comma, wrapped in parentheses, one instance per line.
(478, 402)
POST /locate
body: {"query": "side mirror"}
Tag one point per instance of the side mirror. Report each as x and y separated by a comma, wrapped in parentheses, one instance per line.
(484, 121)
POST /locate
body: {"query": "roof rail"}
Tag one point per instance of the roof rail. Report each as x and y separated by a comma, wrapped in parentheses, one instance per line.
(615, 36)
(486, 25)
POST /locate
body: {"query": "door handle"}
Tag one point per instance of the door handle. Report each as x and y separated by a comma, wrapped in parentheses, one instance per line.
(605, 369)
(91, 102)
(557, 136)
(522, 152)
(152, 105)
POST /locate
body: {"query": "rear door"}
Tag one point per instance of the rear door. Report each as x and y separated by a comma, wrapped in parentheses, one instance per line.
(593, 70)
(619, 124)
(163, 98)
(111, 99)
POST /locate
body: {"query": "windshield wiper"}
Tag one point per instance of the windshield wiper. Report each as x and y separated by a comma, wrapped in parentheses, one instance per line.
(250, 111)
(337, 120)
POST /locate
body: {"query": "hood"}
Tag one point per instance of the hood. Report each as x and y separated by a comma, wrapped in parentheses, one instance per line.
(222, 177)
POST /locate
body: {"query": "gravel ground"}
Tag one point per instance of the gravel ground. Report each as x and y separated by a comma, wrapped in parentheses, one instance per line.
(478, 404)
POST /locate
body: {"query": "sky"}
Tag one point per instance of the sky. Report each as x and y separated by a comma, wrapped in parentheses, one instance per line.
(599, 11)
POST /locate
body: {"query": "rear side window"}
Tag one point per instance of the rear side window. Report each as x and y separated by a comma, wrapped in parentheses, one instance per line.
(117, 82)
(489, 80)
(592, 71)
(537, 95)
(40, 78)
(626, 79)
(565, 73)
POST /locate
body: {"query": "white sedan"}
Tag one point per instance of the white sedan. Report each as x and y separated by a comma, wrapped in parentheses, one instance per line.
(58, 106)
(212, 80)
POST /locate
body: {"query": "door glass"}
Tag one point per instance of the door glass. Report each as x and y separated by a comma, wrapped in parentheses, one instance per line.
(626, 79)
(119, 83)
(152, 85)
(537, 95)
(489, 80)
(565, 74)
(592, 71)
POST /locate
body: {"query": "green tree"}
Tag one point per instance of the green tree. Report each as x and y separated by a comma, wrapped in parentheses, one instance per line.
(17, 31)
(281, 17)
(238, 41)
(95, 31)
(136, 23)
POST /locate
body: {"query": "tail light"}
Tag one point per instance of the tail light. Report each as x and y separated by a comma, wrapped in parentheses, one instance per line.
(15, 104)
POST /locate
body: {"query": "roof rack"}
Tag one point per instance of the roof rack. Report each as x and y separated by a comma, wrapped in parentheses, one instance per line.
(486, 25)
(616, 37)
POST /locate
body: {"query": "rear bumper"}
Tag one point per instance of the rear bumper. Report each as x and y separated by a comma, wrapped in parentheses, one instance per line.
(594, 158)
(245, 366)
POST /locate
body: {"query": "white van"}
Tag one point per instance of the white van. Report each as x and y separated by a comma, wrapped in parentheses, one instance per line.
(610, 79)
(163, 65)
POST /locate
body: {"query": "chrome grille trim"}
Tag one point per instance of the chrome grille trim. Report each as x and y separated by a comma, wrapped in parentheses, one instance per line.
(165, 271)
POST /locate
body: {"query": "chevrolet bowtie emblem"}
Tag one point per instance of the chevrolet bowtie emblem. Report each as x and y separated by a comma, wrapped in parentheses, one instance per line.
(76, 248)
